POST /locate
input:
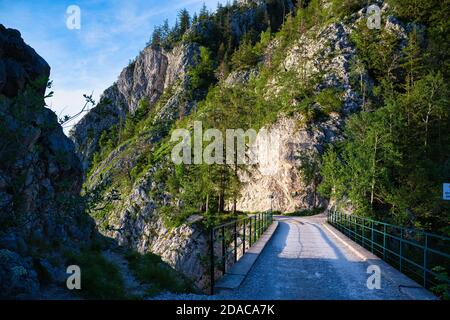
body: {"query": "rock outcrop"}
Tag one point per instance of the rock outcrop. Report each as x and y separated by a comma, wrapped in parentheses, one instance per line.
(140, 226)
(133, 220)
(278, 184)
(129, 211)
(327, 51)
(146, 78)
(40, 176)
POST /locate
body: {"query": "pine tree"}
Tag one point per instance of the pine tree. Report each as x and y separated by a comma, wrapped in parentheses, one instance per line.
(156, 37)
(184, 21)
(204, 13)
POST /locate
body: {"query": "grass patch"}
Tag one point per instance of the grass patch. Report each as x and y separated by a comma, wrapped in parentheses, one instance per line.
(100, 279)
(149, 268)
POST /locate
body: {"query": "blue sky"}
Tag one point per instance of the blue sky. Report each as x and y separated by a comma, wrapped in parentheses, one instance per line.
(91, 58)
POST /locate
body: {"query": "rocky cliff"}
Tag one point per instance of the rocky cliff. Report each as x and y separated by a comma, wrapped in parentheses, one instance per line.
(145, 79)
(132, 178)
(161, 77)
(326, 51)
(40, 177)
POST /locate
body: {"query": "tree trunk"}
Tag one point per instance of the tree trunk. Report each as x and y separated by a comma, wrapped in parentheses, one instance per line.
(374, 162)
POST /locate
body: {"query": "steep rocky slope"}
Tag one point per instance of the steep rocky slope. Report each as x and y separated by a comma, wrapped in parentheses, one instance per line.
(324, 52)
(131, 179)
(44, 222)
(40, 177)
(145, 79)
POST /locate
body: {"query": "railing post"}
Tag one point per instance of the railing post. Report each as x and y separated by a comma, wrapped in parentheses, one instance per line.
(256, 228)
(250, 233)
(212, 260)
(235, 241)
(243, 240)
(401, 250)
(363, 228)
(425, 261)
(264, 221)
(258, 221)
(260, 225)
(384, 241)
(224, 261)
(372, 236)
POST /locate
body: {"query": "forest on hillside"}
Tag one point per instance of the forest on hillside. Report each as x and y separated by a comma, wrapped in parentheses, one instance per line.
(394, 156)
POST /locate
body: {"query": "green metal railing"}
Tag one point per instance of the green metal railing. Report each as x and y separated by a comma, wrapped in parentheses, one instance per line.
(413, 252)
(226, 240)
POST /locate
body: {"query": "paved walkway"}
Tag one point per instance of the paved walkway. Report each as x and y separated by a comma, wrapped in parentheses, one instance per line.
(306, 259)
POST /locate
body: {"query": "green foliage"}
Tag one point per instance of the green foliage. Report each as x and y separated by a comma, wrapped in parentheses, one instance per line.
(345, 8)
(131, 122)
(442, 288)
(310, 163)
(305, 212)
(378, 50)
(421, 11)
(330, 100)
(100, 278)
(332, 185)
(389, 165)
(394, 155)
(174, 217)
(149, 268)
(202, 75)
(246, 56)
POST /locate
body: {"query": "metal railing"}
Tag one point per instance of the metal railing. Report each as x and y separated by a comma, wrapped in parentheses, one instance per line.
(229, 242)
(411, 251)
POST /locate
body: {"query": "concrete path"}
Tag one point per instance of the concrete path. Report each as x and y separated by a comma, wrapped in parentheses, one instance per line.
(308, 259)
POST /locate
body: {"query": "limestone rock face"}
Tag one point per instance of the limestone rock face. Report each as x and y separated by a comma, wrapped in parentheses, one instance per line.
(237, 78)
(278, 174)
(133, 220)
(144, 78)
(40, 175)
(153, 71)
(327, 51)
(111, 109)
(139, 226)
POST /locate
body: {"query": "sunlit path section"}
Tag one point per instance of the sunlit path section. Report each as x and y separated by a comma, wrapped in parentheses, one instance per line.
(308, 259)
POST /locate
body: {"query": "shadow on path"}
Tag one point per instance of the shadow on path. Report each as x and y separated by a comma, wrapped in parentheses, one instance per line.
(301, 261)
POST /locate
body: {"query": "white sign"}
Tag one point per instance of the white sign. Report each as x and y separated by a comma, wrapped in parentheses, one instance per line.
(446, 192)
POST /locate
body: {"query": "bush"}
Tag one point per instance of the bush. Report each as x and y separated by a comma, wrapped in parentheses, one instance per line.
(149, 268)
(442, 288)
(202, 75)
(305, 212)
(245, 56)
(330, 100)
(100, 279)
